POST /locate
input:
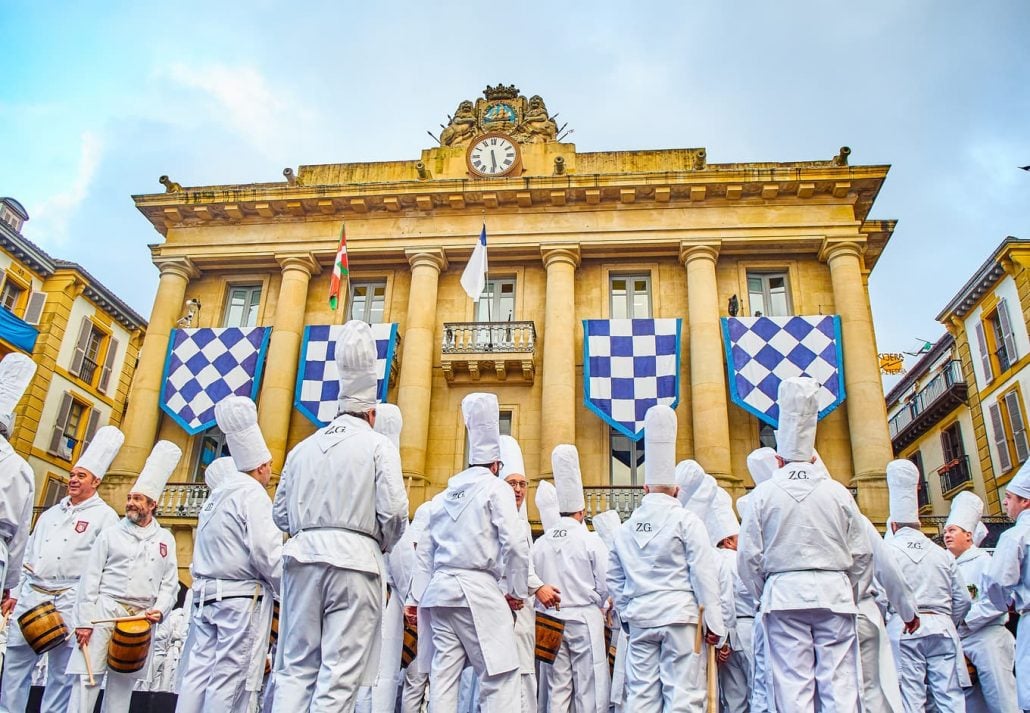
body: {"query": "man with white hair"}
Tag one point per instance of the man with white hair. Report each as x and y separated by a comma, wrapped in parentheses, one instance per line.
(472, 542)
(131, 571)
(54, 560)
(661, 570)
(237, 568)
(576, 561)
(929, 658)
(986, 642)
(341, 498)
(801, 552)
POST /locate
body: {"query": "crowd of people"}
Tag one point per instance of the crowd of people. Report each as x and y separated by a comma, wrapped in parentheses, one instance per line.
(800, 605)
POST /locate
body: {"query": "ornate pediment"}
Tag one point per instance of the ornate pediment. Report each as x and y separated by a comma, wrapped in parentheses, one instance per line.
(502, 108)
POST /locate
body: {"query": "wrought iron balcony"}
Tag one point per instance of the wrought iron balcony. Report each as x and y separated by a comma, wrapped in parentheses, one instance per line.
(954, 474)
(623, 499)
(182, 500)
(88, 370)
(930, 404)
(475, 351)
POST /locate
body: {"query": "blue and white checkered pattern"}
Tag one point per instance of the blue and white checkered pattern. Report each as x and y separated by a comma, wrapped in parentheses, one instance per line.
(762, 351)
(318, 385)
(206, 365)
(629, 365)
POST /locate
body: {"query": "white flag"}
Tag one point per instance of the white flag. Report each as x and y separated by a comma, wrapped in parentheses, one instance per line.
(473, 279)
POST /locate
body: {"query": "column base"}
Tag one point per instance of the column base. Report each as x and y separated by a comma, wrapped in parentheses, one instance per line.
(872, 495)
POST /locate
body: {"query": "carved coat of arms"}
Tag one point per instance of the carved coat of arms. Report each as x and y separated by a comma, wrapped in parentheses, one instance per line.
(502, 109)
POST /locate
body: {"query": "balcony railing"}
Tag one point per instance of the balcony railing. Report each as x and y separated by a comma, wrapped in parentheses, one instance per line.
(182, 500)
(930, 404)
(624, 499)
(954, 473)
(87, 370)
(482, 349)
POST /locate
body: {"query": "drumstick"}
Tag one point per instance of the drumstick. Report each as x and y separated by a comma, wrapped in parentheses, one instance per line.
(89, 666)
(7, 618)
(699, 634)
(713, 681)
(138, 617)
(28, 568)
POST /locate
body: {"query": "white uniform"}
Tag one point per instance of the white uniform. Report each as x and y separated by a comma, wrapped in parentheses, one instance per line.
(168, 641)
(525, 630)
(1007, 579)
(131, 569)
(473, 540)
(57, 553)
(661, 568)
(735, 676)
(986, 642)
(575, 561)
(237, 568)
(802, 549)
(931, 657)
(17, 494)
(342, 499)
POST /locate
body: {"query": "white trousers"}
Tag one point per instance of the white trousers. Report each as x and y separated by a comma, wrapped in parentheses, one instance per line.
(874, 700)
(413, 691)
(571, 685)
(761, 694)
(927, 665)
(735, 674)
(328, 617)
(992, 650)
(457, 645)
(117, 694)
(19, 664)
(662, 671)
(813, 660)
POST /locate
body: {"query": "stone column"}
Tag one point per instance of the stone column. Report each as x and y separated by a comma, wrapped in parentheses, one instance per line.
(415, 387)
(275, 402)
(558, 392)
(144, 414)
(708, 408)
(867, 411)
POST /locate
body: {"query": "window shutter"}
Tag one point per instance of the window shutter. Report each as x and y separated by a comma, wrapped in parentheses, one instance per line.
(91, 429)
(108, 368)
(56, 445)
(34, 308)
(1007, 337)
(80, 346)
(1018, 427)
(985, 357)
(1000, 442)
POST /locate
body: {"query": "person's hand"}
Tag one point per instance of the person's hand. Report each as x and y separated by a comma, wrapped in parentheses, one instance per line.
(7, 603)
(514, 603)
(712, 639)
(153, 615)
(723, 655)
(83, 636)
(549, 596)
(411, 615)
(911, 626)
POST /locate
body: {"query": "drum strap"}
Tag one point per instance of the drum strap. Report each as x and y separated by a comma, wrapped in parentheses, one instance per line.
(48, 592)
(208, 602)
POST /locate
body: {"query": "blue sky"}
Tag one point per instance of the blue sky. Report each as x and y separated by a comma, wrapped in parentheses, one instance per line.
(99, 99)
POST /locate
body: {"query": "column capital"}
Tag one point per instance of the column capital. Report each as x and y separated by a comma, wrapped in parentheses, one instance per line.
(836, 247)
(435, 258)
(693, 250)
(553, 254)
(303, 261)
(181, 266)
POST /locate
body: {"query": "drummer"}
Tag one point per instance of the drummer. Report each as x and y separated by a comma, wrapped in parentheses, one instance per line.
(54, 560)
(131, 571)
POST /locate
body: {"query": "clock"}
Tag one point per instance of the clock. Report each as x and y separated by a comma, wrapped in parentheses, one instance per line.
(493, 154)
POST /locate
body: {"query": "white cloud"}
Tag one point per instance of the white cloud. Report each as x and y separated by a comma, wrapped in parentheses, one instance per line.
(51, 217)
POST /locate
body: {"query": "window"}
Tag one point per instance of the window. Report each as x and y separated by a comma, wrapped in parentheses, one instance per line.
(241, 307)
(1009, 425)
(627, 461)
(368, 301)
(93, 348)
(505, 427)
(951, 442)
(211, 447)
(630, 296)
(766, 435)
(996, 341)
(53, 491)
(497, 303)
(768, 295)
(76, 423)
(922, 489)
(10, 296)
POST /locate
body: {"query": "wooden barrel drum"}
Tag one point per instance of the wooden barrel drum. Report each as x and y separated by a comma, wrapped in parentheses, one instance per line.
(273, 637)
(43, 627)
(549, 632)
(611, 637)
(130, 644)
(409, 650)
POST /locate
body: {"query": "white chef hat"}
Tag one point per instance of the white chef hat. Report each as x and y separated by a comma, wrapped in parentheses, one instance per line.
(761, 463)
(389, 422)
(16, 372)
(660, 446)
(1020, 483)
(511, 457)
(546, 500)
(902, 484)
(743, 505)
(97, 457)
(567, 479)
(720, 519)
(157, 470)
(218, 471)
(237, 417)
(356, 366)
(702, 499)
(966, 510)
(689, 475)
(483, 422)
(606, 524)
(980, 534)
(798, 399)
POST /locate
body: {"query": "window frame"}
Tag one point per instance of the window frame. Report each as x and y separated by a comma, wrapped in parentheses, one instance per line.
(635, 471)
(496, 299)
(630, 294)
(196, 475)
(765, 275)
(996, 341)
(368, 302)
(260, 286)
(1008, 437)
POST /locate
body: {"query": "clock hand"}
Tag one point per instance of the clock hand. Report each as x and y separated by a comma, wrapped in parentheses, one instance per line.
(493, 160)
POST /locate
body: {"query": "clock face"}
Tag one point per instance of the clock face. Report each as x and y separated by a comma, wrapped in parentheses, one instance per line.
(493, 155)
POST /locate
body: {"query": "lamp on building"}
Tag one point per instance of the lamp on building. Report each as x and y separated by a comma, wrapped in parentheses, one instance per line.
(192, 309)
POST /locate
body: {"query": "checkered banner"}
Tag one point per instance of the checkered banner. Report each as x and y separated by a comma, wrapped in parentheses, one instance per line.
(206, 365)
(318, 385)
(762, 351)
(629, 365)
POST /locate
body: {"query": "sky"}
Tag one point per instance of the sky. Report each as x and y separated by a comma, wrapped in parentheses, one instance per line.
(98, 99)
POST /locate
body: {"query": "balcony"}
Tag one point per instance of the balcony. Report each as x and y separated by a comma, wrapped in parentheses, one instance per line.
(88, 370)
(954, 474)
(488, 351)
(930, 404)
(623, 499)
(182, 500)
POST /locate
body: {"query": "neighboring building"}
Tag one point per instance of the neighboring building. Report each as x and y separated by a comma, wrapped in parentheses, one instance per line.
(84, 341)
(572, 236)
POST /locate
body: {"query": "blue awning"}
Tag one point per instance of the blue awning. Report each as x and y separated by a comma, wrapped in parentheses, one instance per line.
(17, 331)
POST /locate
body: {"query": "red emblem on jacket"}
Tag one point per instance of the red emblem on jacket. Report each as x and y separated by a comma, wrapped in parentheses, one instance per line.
(163, 548)
(81, 526)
